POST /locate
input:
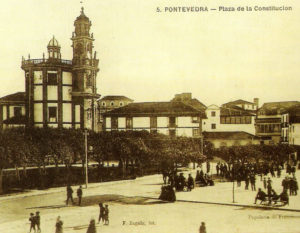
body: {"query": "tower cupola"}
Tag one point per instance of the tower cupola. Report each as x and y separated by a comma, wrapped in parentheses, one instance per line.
(82, 24)
(53, 49)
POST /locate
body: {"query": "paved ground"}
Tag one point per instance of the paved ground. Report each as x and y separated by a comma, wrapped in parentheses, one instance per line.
(131, 210)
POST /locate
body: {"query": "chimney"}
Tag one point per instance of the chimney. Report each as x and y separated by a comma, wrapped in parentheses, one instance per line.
(256, 101)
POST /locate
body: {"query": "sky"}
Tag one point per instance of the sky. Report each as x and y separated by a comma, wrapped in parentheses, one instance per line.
(151, 56)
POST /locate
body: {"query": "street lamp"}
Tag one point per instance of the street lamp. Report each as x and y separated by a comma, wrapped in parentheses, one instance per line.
(86, 133)
(233, 183)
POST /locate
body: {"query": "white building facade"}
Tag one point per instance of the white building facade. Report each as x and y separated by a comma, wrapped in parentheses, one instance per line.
(169, 118)
(221, 119)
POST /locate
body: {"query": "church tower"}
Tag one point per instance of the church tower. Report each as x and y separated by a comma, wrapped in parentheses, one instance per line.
(85, 69)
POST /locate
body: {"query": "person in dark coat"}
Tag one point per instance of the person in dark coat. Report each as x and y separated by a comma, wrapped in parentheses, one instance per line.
(279, 171)
(284, 197)
(38, 221)
(252, 181)
(69, 194)
(261, 195)
(167, 193)
(190, 182)
(106, 215)
(79, 194)
(92, 227)
(202, 228)
(207, 167)
(101, 213)
(59, 225)
(181, 182)
(197, 179)
(285, 183)
(218, 168)
(247, 180)
(293, 186)
(32, 222)
(269, 189)
(265, 182)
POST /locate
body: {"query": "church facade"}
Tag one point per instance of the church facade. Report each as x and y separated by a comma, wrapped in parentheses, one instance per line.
(63, 93)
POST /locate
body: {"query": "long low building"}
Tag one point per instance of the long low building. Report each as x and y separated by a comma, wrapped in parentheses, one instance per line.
(169, 118)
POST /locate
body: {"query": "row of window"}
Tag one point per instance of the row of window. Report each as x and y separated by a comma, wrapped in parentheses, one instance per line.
(112, 104)
(236, 120)
(153, 122)
(268, 128)
(52, 77)
(17, 112)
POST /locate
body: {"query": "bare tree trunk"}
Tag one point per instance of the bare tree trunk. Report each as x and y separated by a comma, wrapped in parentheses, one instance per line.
(56, 168)
(123, 168)
(17, 173)
(44, 168)
(25, 170)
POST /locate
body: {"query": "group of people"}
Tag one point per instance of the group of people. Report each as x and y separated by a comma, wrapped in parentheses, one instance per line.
(271, 197)
(35, 222)
(179, 182)
(291, 184)
(103, 214)
(70, 195)
(203, 179)
(59, 226)
(288, 184)
(222, 169)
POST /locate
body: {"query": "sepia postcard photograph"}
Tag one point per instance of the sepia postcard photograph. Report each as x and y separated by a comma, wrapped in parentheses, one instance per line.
(149, 116)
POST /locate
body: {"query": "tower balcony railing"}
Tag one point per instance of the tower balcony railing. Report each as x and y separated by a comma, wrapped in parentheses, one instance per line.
(43, 60)
(86, 61)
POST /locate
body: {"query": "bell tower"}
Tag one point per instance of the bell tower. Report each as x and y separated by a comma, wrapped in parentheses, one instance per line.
(85, 69)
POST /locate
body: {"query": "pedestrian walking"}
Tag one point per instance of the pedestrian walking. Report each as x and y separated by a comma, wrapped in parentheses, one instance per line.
(106, 215)
(265, 183)
(32, 222)
(218, 168)
(279, 171)
(202, 228)
(69, 194)
(252, 181)
(247, 179)
(92, 227)
(190, 183)
(101, 213)
(59, 225)
(207, 167)
(38, 221)
(79, 194)
(285, 183)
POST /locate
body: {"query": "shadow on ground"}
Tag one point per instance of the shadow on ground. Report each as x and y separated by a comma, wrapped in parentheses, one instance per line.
(96, 199)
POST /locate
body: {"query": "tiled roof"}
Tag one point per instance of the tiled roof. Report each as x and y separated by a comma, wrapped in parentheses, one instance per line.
(274, 108)
(235, 111)
(16, 97)
(116, 97)
(195, 103)
(157, 109)
(237, 135)
(240, 101)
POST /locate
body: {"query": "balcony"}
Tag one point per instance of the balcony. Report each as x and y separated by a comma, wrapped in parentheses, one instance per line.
(43, 60)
